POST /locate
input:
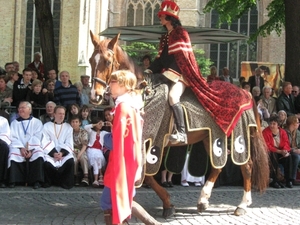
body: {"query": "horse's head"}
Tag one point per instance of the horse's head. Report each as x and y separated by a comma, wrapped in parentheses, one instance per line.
(103, 62)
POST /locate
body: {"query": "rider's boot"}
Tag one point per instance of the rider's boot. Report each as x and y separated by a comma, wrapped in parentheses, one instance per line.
(180, 135)
(139, 212)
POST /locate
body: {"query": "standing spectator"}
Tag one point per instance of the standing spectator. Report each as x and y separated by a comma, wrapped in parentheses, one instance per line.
(49, 89)
(213, 74)
(146, 60)
(257, 80)
(22, 87)
(268, 101)
(67, 93)
(279, 150)
(17, 68)
(83, 97)
(85, 80)
(295, 91)
(5, 93)
(80, 137)
(53, 76)
(292, 125)
(225, 76)
(9, 67)
(95, 151)
(246, 86)
(36, 97)
(58, 148)
(241, 80)
(286, 100)
(12, 77)
(37, 65)
(26, 157)
(49, 115)
(5, 140)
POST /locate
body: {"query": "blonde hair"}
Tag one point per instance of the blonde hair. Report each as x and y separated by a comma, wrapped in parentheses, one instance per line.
(291, 120)
(124, 78)
(36, 82)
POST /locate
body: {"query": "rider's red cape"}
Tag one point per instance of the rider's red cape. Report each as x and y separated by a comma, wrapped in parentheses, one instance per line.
(124, 160)
(225, 102)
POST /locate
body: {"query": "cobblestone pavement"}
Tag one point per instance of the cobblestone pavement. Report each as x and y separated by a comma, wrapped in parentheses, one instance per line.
(23, 205)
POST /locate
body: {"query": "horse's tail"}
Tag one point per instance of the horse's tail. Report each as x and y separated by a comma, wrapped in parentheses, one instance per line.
(259, 156)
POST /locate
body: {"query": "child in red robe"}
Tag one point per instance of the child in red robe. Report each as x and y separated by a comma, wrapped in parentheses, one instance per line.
(125, 160)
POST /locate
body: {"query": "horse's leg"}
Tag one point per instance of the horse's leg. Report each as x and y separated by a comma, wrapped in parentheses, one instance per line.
(247, 199)
(203, 202)
(168, 208)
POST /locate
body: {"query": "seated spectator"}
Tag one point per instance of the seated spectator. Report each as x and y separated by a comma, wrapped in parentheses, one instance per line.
(36, 97)
(52, 75)
(241, 80)
(73, 110)
(80, 137)
(226, 76)
(295, 90)
(146, 61)
(22, 87)
(255, 91)
(84, 115)
(11, 78)
(246, 86)
(282, 118)
(58, 147)
(279, 150)
(292, 125)
(108, 119)
(5, 140)
(95, 151)
(83, 97)
(35, 76)
(49, 115)
(49, 89)
(5, 93)
(9, 67)
(26, 157)
(262, 110)
(213, 74)
(268, 101)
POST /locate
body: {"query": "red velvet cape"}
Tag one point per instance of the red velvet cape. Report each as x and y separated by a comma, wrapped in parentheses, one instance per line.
(224, 101)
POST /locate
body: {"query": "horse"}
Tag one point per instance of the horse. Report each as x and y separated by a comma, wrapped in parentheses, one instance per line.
(246, 138)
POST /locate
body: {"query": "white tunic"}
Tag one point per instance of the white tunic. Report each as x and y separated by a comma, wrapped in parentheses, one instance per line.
(25, 134)
(58, 136)
(4, 130)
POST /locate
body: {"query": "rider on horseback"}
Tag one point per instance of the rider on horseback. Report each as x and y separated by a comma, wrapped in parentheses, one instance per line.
(174, 41)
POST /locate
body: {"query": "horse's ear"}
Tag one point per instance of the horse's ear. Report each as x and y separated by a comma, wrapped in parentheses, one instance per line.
(94, 38)
(113, 42)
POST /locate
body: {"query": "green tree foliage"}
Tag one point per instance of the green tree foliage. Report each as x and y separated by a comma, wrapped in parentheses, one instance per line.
(282, 14)
(136, 50)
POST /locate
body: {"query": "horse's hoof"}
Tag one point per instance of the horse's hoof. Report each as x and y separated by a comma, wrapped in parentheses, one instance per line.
(202, 207)
(168, 212)
(239, 211)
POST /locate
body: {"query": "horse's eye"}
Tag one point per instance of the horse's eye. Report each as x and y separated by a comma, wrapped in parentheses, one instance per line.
(108, 63)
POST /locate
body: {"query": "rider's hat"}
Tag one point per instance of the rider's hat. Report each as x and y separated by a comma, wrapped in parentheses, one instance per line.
(170, 8)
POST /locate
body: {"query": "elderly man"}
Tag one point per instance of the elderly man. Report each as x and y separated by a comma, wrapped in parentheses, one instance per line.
(225, 76)
(5, 141)
(37, 65)
(295, 91)
(67, 94)
(268, 101)
(49, 115)
(58, 147)
(26, 157)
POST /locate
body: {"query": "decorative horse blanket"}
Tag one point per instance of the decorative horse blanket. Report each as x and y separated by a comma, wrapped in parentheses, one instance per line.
(159, 124)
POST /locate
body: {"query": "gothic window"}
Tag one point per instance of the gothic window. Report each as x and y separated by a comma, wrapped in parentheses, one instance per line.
(142, 12)
(232, 54)
(32, 43)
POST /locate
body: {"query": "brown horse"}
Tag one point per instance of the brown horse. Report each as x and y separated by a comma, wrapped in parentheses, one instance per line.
(248, 148)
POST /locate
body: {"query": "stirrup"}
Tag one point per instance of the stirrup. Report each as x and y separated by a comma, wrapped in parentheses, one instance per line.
(178, 138)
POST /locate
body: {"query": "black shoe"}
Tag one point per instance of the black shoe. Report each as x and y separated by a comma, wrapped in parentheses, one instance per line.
(165, 184)
(12, 185)
(2, 185)
(281, 185)
(36, 185)
(275, 185)
(289, 184)
(46, 185)
(170, 184)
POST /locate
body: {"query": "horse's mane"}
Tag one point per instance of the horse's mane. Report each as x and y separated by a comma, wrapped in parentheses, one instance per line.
(125, 61)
